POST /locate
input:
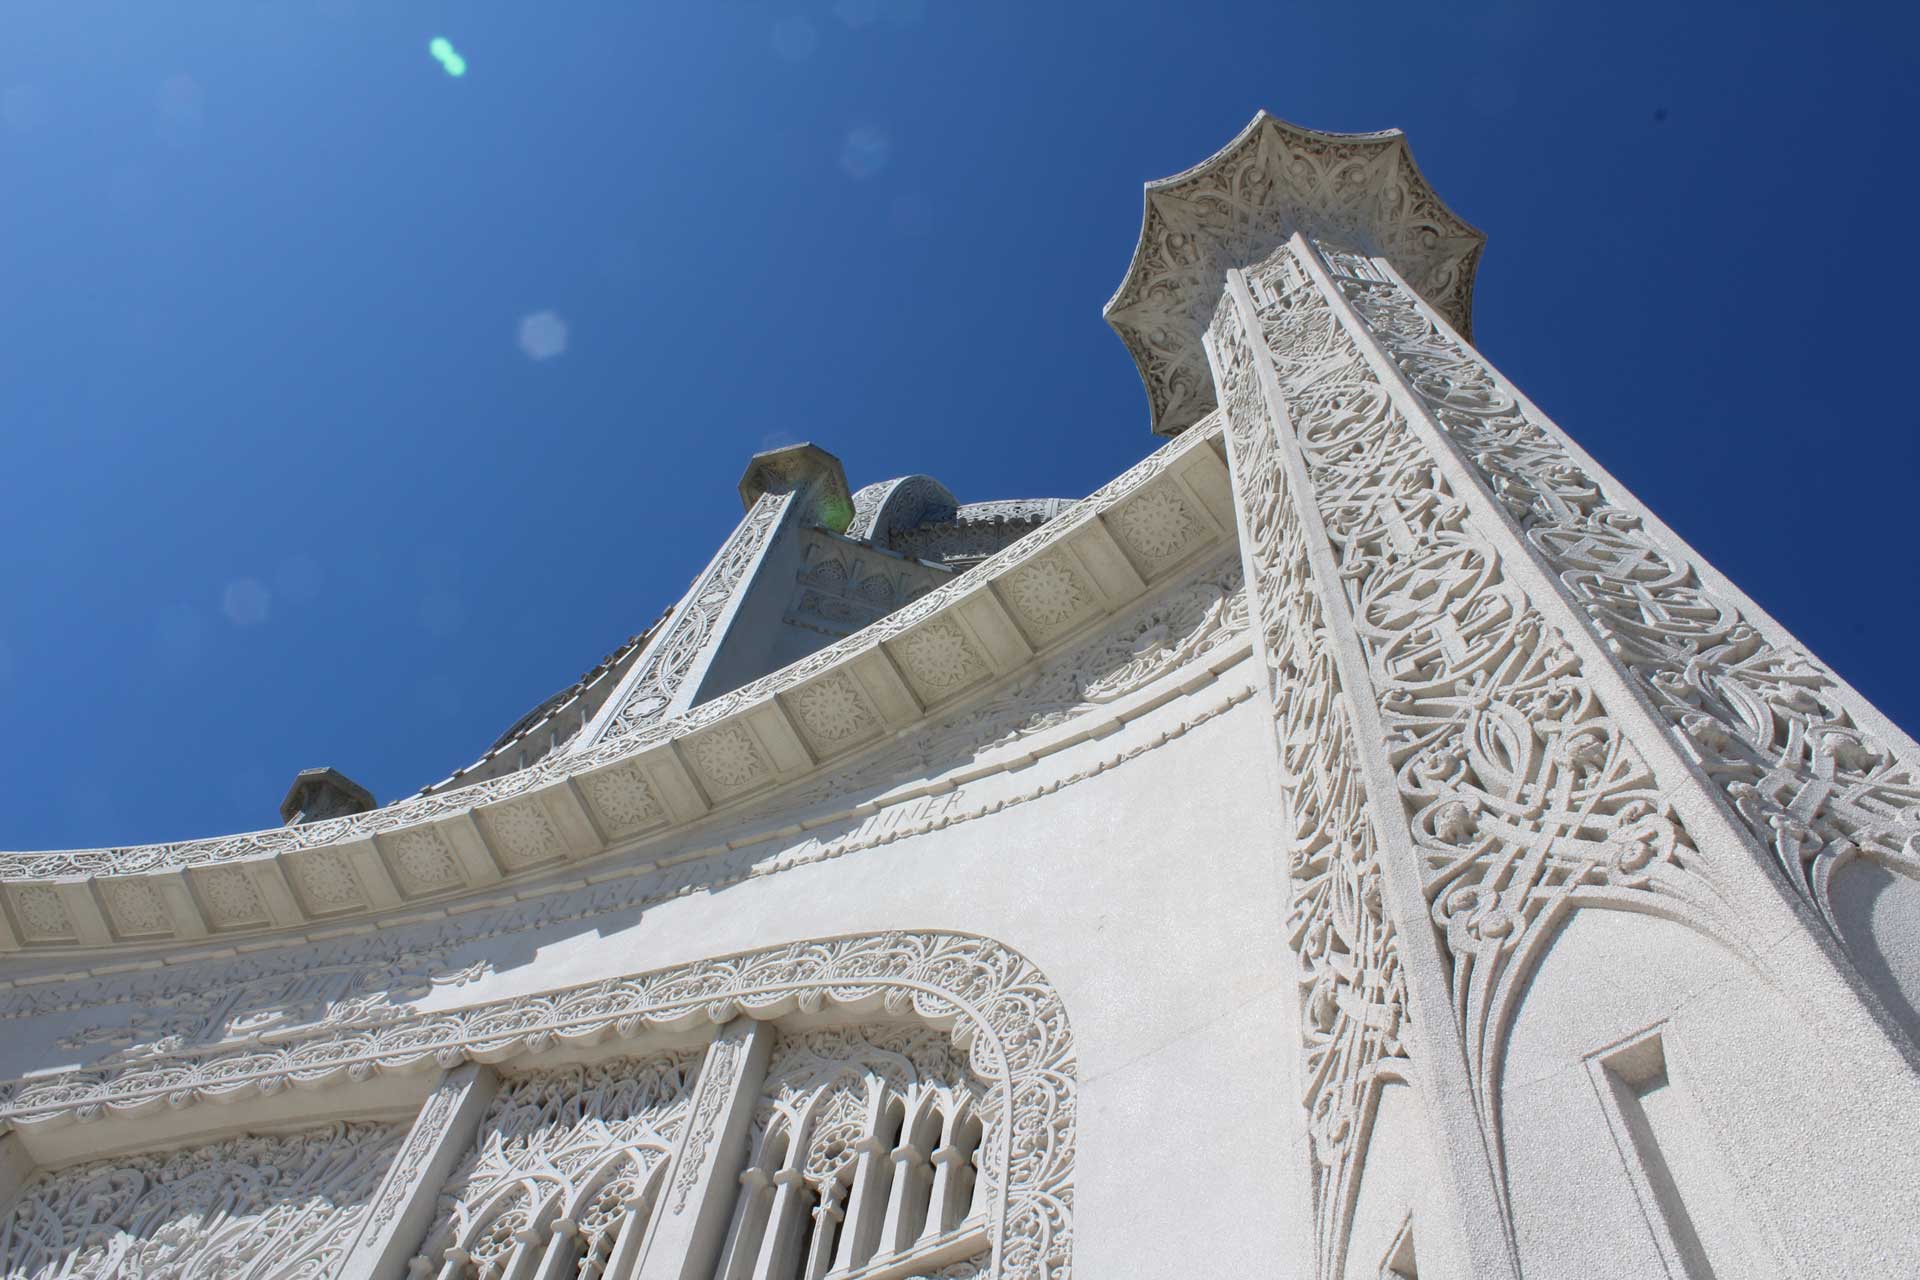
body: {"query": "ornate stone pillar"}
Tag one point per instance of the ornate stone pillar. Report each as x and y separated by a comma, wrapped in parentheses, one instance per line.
(1502, 692)
(1779, 769)
(404, 1207)
(691, 1221)
(1373, 974)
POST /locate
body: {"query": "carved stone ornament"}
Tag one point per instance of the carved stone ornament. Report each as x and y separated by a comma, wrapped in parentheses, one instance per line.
(562, 1150)
(998, 1010)
(248, 1208)
(1237, 206)
(1776, 731)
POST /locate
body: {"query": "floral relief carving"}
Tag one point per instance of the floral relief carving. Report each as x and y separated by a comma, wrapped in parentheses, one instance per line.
(356, 985)
(1158, 526)
(824, 1087)
(1047, 593)
(401, 1182)
(831, 709)
(248, 1208)
(135, 907)
(940, 657)
(716, 1083)
(623, 798)
(1761, 718)
(650, 688)
(328, 882)
(1352, 986)
(42, 913)
(1235, 207)
(524, 834)
(423, 862)
(999, 1010)
(729, 758)
(231, 896)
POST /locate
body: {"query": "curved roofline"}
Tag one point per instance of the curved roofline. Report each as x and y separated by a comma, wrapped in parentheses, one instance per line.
(635, 789)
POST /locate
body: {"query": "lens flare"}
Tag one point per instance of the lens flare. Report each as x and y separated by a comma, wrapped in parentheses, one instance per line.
(443, 52)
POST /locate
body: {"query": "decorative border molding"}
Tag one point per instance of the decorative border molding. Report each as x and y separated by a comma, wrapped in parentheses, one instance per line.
(1000, 1009)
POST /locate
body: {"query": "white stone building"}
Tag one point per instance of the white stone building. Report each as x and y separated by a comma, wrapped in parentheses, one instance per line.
(1358, 841)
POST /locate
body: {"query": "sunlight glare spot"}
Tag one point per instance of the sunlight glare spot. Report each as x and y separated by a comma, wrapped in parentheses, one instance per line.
(865, 151)
(543, 335)
(246, 602)
(443, 52)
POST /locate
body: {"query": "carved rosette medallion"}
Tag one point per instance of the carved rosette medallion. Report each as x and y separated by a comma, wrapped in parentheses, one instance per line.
(832, 711)
(422, 861)
(524, 835)
(728, 759)
(231, 898)
(1158, 527)
(1048, 596)
(939, 658)
(134, 906)
(623, 799)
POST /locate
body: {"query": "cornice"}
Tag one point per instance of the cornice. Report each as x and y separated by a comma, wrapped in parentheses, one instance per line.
(1360, 190)
(942, 651)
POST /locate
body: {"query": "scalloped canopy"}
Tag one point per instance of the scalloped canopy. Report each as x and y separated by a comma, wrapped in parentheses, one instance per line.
(1234, 208)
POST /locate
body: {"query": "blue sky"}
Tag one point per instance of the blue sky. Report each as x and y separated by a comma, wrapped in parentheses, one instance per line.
(291, 478)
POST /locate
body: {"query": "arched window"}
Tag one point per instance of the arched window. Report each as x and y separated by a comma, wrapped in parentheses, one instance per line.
(863, 1150)
(563, 1173)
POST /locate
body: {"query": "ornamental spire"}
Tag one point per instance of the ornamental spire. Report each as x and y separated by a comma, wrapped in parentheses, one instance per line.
(1359, 190)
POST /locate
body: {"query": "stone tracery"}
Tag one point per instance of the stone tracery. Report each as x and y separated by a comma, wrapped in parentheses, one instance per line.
(567, 1160)
(250, 1208)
